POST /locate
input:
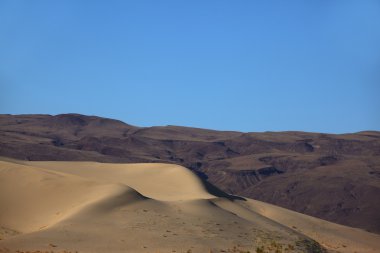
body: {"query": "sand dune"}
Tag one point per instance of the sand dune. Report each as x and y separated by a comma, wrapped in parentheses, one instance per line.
(332, 236)
(95, 207)
(165, 182)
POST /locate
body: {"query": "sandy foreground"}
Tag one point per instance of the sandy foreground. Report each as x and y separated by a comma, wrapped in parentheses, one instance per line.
(102, 207)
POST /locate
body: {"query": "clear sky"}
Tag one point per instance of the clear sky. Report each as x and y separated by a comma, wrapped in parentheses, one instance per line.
(230, 65)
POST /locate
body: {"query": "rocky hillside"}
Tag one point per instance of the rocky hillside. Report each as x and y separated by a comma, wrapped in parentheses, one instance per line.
(334, 177)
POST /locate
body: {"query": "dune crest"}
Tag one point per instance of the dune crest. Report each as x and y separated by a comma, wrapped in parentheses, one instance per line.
(165, 182)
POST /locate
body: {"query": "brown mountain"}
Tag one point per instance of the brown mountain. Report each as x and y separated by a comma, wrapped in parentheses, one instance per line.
(334, 177)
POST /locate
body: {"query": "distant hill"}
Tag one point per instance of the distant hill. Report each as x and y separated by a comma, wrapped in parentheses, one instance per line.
(333, 177)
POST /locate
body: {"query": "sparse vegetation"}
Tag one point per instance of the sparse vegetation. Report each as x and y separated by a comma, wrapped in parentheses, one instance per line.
(36, 251)
(270, 247)
(260, 249)
(311, 246)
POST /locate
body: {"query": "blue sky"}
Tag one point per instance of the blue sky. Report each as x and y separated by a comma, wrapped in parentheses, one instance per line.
(229, 65)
